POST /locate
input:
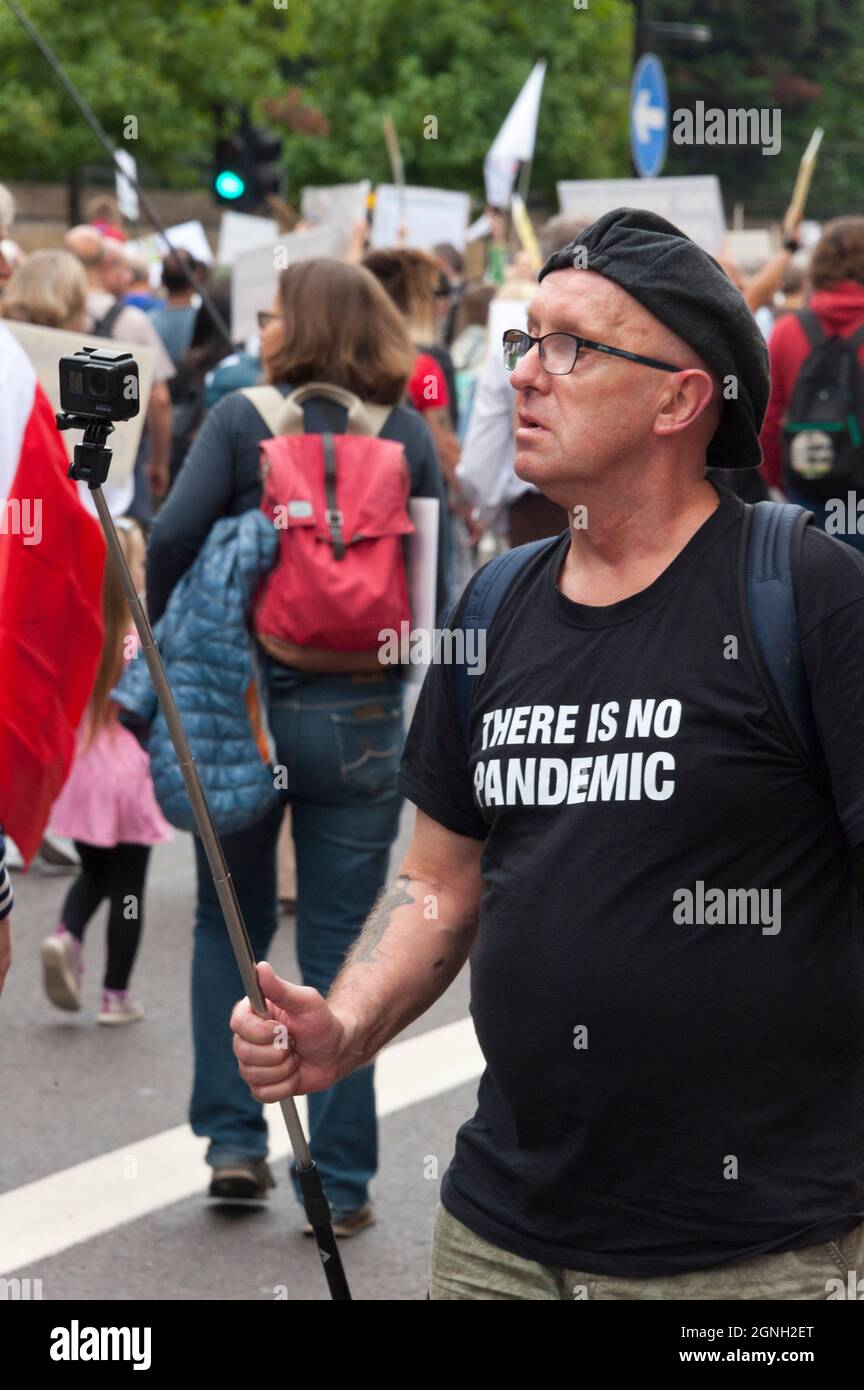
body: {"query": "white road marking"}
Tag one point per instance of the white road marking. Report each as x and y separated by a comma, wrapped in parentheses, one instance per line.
(79, 1203)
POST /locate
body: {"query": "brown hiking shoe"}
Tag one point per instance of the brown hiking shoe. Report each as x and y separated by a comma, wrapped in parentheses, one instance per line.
(348, 1223)
(244, 1181)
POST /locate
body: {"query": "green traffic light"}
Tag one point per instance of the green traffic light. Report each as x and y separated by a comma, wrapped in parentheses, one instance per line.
(229, 185)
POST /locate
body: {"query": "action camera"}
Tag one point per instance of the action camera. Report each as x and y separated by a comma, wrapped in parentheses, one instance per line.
(99, 384)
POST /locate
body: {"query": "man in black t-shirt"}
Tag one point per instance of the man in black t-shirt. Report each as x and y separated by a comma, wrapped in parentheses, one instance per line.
(660, 903)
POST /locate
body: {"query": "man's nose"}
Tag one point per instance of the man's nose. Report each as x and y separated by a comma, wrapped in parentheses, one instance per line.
(528, 371)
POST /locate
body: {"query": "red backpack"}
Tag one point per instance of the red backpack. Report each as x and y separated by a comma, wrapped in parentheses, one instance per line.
(340, 504)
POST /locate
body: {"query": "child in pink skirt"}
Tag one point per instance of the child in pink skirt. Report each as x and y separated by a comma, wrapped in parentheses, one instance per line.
(108, 807)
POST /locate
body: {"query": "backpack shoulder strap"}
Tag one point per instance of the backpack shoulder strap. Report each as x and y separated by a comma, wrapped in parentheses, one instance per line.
(269, 402)
(283, 414)
(487, 589)
(104, 327)
(768, 565)
(812, 327)
(856, 339)
(378, 415)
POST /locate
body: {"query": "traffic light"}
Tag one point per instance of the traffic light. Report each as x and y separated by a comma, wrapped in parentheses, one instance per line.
(264, 152)
(246, 168)
(230, 172)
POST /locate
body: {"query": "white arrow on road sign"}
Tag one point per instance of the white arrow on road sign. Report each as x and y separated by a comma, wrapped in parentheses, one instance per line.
(647, 117)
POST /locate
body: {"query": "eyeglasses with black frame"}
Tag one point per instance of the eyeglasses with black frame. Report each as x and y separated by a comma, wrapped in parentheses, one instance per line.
(264, 317)
(559, 351)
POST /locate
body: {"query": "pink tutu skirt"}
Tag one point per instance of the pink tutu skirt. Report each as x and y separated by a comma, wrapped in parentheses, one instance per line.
(108, 797)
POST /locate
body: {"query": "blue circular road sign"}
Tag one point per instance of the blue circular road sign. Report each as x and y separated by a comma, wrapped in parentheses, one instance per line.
(649, 116)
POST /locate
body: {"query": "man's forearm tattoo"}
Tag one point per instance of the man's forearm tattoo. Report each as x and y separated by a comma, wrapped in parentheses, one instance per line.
(378, 921)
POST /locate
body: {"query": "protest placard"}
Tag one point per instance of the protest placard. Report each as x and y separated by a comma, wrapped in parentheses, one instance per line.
(256, 274)
(127, 193)
(430, 215)
(339, 206)
(691, 202)
(423, 569)
(750, 248)
(240, 231)
(186, 236)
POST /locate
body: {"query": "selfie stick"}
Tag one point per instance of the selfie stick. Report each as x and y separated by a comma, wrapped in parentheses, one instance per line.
(91, 463)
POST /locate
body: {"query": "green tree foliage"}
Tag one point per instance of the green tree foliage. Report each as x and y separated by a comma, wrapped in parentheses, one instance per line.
(804, 58)
(463, 63)
(165, 62)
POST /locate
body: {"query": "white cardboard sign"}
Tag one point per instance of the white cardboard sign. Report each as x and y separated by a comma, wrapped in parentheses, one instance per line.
(256, 274)
(423, 569)
(430, 215)
(240, 231)
(339, 205)
(186, 236)
(691, 202)
(127, 193)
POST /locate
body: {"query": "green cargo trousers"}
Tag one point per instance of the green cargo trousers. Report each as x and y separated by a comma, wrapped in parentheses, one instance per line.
(464, 1266)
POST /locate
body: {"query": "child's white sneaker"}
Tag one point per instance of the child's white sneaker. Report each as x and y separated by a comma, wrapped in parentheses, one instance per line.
(118, 1006)
(62, 969)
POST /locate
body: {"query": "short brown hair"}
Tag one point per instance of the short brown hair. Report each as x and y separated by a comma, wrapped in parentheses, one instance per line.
(839, 253)
(341, 327)
(474, 306)
(410, 278)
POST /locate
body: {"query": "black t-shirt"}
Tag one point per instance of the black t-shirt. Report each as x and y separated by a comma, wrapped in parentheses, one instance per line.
(674, 1069)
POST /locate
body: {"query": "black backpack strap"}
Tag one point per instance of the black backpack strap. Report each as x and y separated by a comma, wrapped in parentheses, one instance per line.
(104, 327)
(333, 515)
(769, 560)
(856, 339)
(482, 601)
(812, 327)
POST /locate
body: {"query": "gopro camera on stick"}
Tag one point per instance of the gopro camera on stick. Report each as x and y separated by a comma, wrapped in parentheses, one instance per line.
(99, 384)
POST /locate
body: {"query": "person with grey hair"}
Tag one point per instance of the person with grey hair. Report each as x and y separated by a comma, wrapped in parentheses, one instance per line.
(49, 288)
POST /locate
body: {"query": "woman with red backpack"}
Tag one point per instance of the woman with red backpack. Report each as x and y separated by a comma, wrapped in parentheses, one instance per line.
(343, 460)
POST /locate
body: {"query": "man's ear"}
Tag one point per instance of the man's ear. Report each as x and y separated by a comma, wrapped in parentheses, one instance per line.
(686, 396)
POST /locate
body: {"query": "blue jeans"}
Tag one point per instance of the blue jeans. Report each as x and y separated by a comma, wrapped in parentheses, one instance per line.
(339, 742)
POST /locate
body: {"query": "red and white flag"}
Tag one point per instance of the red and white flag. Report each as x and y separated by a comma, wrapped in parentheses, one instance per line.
(52, 558)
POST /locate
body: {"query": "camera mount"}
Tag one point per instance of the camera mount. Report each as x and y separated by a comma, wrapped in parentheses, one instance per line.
(91, 459)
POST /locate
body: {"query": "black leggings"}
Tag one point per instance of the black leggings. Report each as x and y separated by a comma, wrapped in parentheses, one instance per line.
(118, 874)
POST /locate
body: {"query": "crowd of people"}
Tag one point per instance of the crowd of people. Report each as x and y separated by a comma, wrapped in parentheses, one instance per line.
(393, 346)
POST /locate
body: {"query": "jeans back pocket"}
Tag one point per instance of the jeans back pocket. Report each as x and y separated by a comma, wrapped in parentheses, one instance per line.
(369, 738)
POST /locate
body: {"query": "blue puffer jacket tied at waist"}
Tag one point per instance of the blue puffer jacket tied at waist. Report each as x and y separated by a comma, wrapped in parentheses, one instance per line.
(209, 655)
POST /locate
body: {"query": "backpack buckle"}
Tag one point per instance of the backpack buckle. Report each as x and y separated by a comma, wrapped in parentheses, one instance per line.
(333, 517)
